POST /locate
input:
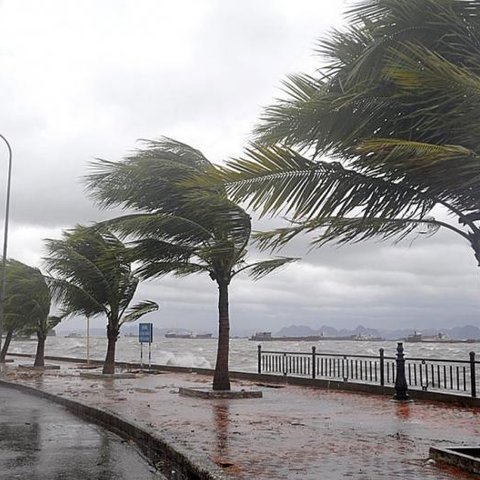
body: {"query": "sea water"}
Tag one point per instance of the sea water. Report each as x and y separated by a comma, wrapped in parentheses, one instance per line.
(201, 353)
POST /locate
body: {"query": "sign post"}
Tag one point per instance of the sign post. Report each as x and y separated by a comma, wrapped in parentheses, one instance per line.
(145, 335)
(88, 340)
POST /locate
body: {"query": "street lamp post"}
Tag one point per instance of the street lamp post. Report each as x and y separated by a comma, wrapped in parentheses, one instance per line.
(5, 239)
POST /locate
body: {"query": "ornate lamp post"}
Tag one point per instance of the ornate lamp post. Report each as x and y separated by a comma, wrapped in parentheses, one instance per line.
(401, 386)
(5, 239)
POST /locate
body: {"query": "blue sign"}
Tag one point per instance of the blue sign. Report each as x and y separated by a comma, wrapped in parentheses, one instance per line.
(145, 332)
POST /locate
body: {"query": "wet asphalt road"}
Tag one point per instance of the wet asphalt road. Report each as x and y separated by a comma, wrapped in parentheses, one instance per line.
(40, 440)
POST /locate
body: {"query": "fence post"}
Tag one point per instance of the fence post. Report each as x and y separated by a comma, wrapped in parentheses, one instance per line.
(259, 359)
(473, 380)
(401, 387)
(382, 367)
(314, 365)
(285, 364)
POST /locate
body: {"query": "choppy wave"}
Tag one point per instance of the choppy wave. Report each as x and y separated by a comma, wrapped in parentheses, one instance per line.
(201, 353)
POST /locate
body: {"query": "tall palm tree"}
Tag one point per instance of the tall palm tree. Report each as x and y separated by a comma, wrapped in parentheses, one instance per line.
(385, 132)
(178, 228)
(27, 306)
(91, 274)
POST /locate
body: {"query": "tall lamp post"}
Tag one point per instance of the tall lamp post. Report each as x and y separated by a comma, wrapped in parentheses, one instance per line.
(5, 239)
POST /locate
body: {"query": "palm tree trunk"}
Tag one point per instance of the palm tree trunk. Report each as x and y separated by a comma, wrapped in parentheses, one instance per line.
(40, 355)
(8, 339)
(109, 365)
(221, 378)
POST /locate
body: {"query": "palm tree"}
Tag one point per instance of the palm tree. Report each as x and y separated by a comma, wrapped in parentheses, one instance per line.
(91, 274)
(384, 133)
(27, 306)
(178, 228)
(17, 314)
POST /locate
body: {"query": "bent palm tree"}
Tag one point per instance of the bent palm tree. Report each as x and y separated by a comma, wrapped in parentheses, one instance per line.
(91, 275)
(27, 305)
(180, 229)
(15, 316)
(387, 131)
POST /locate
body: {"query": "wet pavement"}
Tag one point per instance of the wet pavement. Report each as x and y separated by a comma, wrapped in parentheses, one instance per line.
(290, 433)
(40, 440)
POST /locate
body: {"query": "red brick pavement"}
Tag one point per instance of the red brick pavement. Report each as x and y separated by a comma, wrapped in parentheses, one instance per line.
(291, 433)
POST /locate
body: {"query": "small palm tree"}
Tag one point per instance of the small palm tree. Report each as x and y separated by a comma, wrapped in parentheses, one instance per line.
(180, 228)
(27, 306)
(16, 312)
(91, 274)
(14, 318)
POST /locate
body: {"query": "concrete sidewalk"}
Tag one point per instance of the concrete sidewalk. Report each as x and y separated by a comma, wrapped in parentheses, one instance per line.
(290, 433)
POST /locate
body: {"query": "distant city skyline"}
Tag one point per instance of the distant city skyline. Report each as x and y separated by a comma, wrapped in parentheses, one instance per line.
(86, 80)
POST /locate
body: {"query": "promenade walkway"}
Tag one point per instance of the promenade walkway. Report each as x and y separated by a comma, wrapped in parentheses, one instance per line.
(40, 440)
(290, 433)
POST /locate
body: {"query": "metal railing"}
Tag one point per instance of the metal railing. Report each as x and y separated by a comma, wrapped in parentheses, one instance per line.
(439, 374)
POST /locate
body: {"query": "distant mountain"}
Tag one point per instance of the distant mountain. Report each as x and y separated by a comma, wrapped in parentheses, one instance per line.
(296, 331)
(467, 331)
(325, 330)
(360, 330)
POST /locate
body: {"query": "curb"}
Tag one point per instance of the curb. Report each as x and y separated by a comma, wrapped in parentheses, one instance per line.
(159, 449)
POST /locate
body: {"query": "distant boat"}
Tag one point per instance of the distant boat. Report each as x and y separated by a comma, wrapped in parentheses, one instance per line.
(188, 335)
(262, 337)
(415, 338)
(178, 335)
(131, 334)
(203, 335)
(267, 337)
(440, 338)
(369, 338)
(74, 335)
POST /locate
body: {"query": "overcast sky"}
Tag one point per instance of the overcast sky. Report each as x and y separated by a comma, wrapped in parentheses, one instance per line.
(86, 79)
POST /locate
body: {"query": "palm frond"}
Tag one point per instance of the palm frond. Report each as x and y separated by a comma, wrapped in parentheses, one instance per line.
(64, 261)
(259, 270)
(275, 179)
(162, 268)
(138, 310)
(167, 227)
(147, 180)
(425, 167)
(361, 91)
(53, 321)
(74, 299)
(342, 230)
(150, 250)
(91, 273)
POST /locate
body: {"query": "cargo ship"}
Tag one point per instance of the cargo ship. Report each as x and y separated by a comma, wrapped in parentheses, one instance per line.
(440, 338)
(267, 337)
(188, 335)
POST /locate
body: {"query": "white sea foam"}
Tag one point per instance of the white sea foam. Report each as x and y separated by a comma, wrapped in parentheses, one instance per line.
(201, 353)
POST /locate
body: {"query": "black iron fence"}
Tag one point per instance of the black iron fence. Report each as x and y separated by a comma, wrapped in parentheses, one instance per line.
(439, 374)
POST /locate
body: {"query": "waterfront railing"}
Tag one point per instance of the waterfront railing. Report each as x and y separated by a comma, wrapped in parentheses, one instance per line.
(437, 374)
